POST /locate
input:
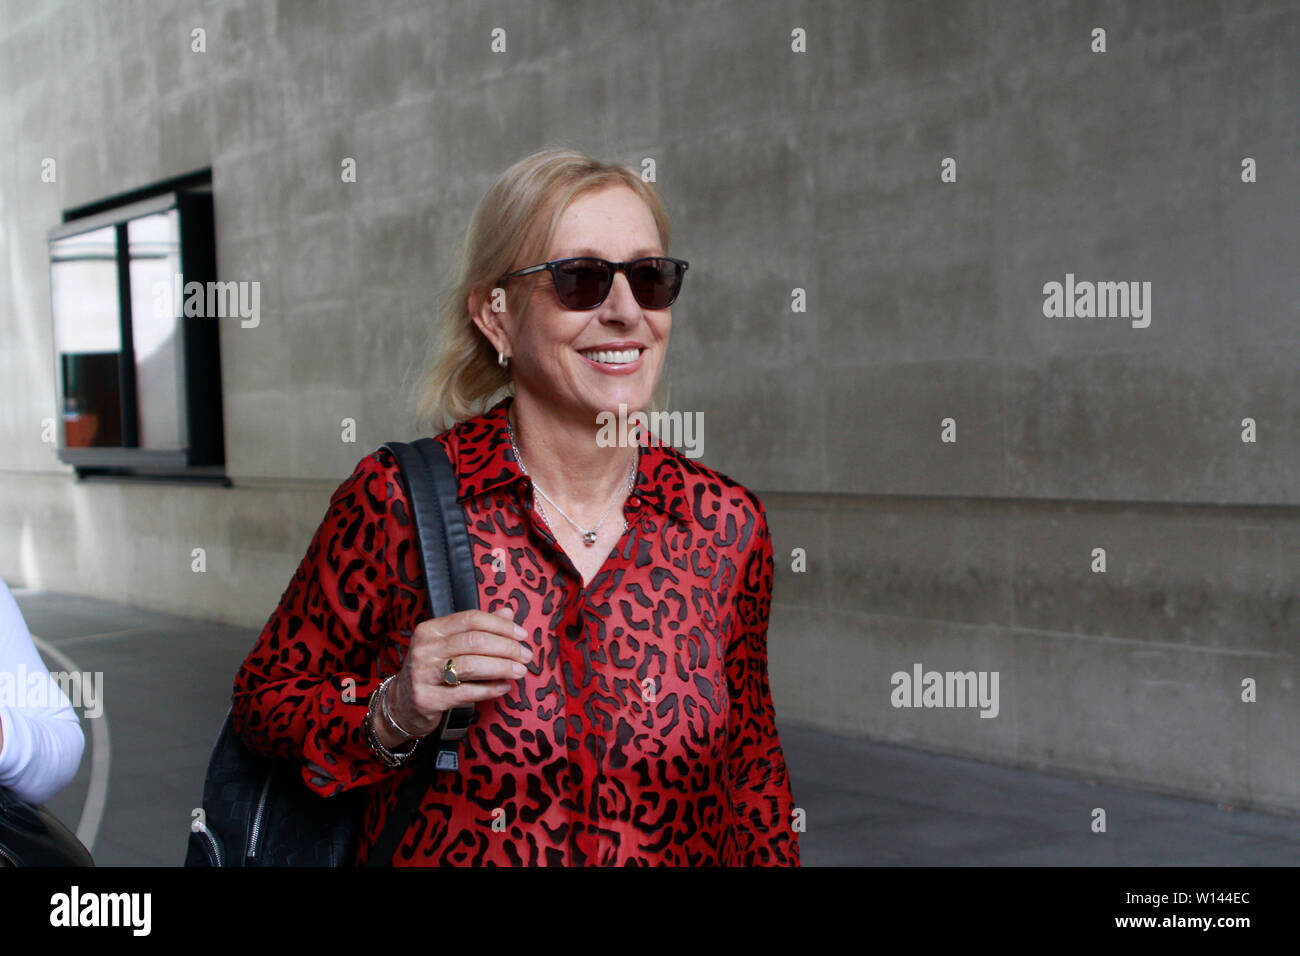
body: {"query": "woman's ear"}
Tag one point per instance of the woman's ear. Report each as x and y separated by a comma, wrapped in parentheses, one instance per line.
(487, 318)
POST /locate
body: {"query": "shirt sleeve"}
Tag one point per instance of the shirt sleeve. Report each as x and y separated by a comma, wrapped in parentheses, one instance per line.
(760, 784)
(42, 737)
(304, 689)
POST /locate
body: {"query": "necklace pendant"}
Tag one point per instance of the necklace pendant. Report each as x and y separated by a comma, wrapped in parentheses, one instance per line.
(590, 538)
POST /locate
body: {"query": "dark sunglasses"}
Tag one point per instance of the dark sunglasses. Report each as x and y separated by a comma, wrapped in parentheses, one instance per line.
(584, 282)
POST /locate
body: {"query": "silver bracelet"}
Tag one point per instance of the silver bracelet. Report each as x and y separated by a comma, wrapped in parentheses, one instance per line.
(383, 706)
(388, 757)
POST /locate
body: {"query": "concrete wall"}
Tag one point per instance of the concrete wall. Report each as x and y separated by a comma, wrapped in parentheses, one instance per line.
(818, 171)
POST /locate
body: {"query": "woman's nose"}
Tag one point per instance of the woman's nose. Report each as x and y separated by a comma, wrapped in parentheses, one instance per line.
(620, 303)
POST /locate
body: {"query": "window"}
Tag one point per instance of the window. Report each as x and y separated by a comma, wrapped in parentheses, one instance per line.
(139, 380)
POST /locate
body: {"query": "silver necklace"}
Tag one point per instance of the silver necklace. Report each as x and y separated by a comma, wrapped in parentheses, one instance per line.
(588, 537)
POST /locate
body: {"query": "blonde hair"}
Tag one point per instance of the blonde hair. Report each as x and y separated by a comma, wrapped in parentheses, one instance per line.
(462, 377)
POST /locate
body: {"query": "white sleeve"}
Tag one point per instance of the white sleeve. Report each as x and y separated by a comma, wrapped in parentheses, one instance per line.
(43, 740)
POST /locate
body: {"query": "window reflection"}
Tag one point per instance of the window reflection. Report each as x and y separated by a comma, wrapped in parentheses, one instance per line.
(87, 336)
(154, 245)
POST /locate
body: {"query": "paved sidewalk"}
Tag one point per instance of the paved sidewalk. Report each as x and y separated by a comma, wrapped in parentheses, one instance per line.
(167, 686)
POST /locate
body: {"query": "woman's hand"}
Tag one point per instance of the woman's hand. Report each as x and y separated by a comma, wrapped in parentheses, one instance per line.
(488, 658)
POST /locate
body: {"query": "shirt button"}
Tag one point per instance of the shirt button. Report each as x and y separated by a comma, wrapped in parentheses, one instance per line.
(634, 501)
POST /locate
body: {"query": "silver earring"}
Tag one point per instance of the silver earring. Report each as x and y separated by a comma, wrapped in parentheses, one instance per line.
(502, 360)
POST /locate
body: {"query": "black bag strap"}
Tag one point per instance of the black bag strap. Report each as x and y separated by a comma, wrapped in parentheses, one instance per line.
(448, 562)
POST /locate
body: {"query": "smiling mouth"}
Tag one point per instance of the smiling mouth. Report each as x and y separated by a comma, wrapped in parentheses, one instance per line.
(612, 356)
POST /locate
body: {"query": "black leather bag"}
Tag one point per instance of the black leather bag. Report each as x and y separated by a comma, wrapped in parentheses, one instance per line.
(257, 811)
(32, 836)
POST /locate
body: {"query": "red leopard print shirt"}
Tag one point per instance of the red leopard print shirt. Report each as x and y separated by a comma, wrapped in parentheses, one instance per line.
(643, 733)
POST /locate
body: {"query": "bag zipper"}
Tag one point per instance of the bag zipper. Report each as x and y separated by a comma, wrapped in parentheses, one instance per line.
(210, 844)
(256, 828)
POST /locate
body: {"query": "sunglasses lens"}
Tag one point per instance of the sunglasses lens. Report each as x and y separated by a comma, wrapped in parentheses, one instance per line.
(582, 283)
(655, 282)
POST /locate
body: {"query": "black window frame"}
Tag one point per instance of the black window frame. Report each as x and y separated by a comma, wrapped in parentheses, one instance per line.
(204, 457)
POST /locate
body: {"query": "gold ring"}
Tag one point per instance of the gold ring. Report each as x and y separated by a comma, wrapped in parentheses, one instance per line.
(449, 675)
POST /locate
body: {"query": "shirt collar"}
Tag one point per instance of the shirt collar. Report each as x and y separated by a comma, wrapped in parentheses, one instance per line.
(485, 461)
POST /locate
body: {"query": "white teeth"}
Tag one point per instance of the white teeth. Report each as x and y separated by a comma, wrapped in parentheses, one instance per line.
(621, 357)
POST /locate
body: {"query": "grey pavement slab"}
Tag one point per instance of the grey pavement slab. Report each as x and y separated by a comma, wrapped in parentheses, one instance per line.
(167, 682)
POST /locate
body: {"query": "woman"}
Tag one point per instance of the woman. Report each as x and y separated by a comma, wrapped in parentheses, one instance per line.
(618, 664)
(40, 736)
